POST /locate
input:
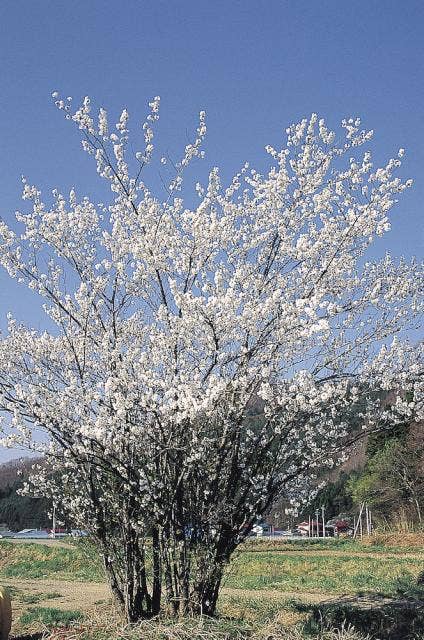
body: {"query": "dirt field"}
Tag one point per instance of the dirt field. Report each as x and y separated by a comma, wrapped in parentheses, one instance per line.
(73, 595)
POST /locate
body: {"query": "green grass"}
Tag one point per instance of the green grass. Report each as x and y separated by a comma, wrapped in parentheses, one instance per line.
(258, 610)
(373, 545)
(292, 566)
(33, 598)
(20, 595)
(319, 573)
(407, 588)
(79, 562)
(330, 567)
(49, 617)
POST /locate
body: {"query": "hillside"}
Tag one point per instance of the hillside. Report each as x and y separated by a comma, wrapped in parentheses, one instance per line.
(16, 511)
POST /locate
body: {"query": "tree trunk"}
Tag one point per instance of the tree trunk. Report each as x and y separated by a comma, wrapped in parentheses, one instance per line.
(157, 572)
(138, 602)
(204, 596)
(113, 581)
(418, 508)
(128, 583)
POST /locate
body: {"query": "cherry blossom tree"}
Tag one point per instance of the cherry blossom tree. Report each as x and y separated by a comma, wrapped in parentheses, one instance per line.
(207, 349)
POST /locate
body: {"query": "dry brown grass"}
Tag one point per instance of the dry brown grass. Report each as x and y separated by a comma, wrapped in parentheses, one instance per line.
(396, 539)
(197, 629)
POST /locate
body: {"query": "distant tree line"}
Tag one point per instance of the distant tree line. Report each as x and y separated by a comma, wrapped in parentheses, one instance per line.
(391, 480)
(17, 511)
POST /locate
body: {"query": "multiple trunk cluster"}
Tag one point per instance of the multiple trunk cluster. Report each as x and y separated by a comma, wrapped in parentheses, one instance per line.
(167, 520)
(168, 547)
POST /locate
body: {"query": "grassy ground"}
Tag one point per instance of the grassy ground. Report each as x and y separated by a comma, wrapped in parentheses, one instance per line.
(281, 587)
(75, 562)
(393, 543)
(306, 571)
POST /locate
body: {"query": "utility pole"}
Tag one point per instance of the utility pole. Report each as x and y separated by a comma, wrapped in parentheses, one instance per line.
(54, 521)
(323, 520)
(367, 520)
(309, 527)
(359, 522)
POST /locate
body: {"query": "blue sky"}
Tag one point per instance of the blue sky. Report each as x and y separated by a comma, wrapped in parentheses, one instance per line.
(254, 66)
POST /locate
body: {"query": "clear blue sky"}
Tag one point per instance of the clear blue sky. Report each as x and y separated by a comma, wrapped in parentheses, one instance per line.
(254, 66)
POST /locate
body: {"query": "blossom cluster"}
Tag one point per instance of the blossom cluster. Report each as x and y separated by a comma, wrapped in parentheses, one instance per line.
(173, 320)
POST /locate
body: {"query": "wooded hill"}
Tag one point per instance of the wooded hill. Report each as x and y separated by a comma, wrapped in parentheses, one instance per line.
(16, 511)
(388, 474)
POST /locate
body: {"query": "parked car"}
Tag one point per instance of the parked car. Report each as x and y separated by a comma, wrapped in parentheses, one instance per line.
(79, 533)
(32, 533)
(263, 529)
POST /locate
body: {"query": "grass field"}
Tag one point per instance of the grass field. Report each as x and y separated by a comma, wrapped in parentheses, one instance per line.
(272, 589)
(307, 571)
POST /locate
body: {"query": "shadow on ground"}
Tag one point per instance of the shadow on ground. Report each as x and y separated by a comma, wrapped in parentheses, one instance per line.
(381, 617)
(30, 636)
